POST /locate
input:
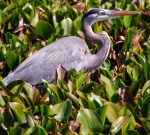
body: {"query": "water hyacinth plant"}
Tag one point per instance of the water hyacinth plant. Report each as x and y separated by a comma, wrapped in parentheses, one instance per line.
(113, 100)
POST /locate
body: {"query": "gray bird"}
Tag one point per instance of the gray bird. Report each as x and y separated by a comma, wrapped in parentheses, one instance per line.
(70, 52)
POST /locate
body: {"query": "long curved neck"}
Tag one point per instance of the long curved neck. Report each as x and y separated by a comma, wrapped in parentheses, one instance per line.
(102, 39)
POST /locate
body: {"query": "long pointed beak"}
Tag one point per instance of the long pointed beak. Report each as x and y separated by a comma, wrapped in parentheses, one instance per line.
(121, 13)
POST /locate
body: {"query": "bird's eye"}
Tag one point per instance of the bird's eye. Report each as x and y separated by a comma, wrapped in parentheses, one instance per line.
(99, 13)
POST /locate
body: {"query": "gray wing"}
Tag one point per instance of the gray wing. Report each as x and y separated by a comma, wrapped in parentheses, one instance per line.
(70, 52)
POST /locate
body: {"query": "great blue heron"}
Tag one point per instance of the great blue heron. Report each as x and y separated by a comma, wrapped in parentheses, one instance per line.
(70, 52)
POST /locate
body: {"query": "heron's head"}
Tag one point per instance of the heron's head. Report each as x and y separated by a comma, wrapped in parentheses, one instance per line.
(95, 15)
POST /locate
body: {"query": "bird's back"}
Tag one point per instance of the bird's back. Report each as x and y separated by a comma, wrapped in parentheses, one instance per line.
(42, 64)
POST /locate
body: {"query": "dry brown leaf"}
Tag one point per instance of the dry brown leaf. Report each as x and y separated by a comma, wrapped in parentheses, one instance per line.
(126, 95)
(61, 73)
(135, 41)
(79, 6)
(75, 127)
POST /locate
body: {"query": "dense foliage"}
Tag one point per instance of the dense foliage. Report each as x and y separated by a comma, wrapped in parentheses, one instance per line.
(115, 101)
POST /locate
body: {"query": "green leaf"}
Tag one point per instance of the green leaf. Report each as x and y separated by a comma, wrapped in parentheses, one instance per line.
(118, 83)
(36, 130)
(4, 17)
(35, 19)
(87, 87)
(44, 29)
(2, 102)
(146, 89)
(146, 107)
(73, 98)
(127, 19)
(110, 89)
(146, 124)
(67, 26)
(77, 23)
(28, 11)
(120, 123)
(1, 118)
(59, 94)
(96, 100)
(81, 80)
(128, 41)
(45, 110)
(9, 7)
(131, 132)
(90, 121)
(62, 110)
(113, 112)
(18, 110)
(15, 87)
(71, 11)
(16, 131)
(101, 111)
(13, 60)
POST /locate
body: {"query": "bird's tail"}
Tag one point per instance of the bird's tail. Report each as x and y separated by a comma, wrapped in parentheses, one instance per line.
(8, 78)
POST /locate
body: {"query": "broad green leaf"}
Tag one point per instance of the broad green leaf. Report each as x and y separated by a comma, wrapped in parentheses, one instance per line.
(58, 93)
(81, 80)
(2, 102)
(128, 41)
(49, 124)
(15, 86)
(131, 132)
(4, 17)
(101, 111)
(30, 120)
(44, 29)
(96, 100)
(28, 10)
(3, 4)
(146, 124)
(118, 83)
(135, 86)
(146, 89)
(106, 72)
(62, 110)
(13, 60)
(62, 84)
(9, 7)
(146, 107)
(36, 130)
(45, 110)
(67, 26)
(35, 19)
(83, 98)
(146, 65)
(18, 110)
(2, 53)
(77, 23)
(113, 111)
(73, 98)
(110, 89)
(16, 131)
(91, 105)
(8, 118)
(127, 19)
(93, 4)
(71, 11)
(86, 88)
(1, 118)
(120, 123)
(90, 121)
(15, 18)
